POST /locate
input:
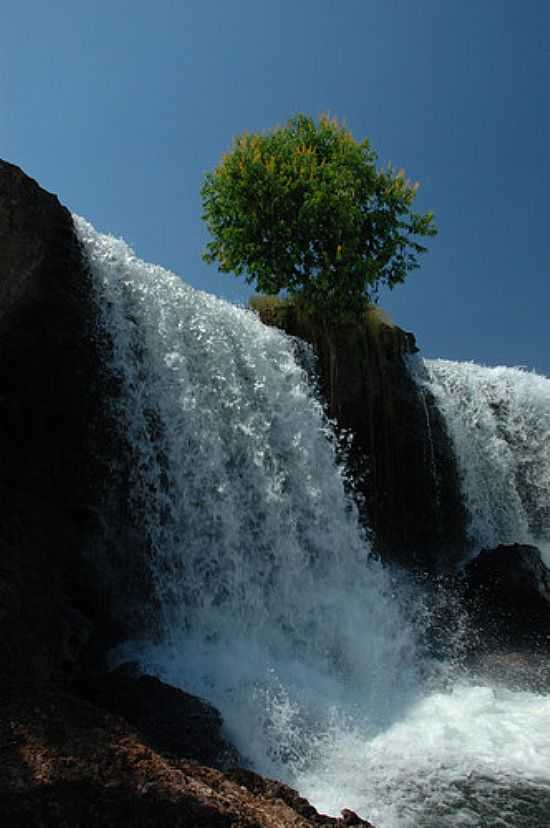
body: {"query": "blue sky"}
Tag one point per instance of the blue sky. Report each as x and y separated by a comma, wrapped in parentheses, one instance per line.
(121, 107)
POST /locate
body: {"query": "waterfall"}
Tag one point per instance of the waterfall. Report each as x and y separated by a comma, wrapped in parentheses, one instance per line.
(260, 565)
(267, 600)
(498, 420)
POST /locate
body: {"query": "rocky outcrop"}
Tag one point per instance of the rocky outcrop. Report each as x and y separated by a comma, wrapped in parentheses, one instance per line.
(66, 763)
(400, 458)
(260, 786)
(507, 596)
(171, 721)
(73, 570)
(48, 407)
(492, 616)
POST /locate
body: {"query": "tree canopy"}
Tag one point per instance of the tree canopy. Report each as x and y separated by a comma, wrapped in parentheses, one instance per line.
(303, 208)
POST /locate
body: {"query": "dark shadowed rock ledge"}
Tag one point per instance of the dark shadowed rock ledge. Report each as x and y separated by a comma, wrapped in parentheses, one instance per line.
(507, 596)
(170, 721)
(49, 410)
(493, 617)
(73, 574)
(67, 764)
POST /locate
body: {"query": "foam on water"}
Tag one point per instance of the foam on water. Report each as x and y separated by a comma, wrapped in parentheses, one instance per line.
(269, 604)
(443, 763)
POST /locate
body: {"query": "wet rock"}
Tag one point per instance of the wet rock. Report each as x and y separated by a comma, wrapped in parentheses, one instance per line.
(65, 763)
(507, 595)
(521, 671)
(170, 720)
(351, 818)
(260, 786)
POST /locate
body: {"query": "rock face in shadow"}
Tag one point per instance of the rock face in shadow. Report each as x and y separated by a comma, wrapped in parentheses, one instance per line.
(65, 763)
(48, 408)
(73, 570)
(171, 721)
(400, 459)
(507, 595)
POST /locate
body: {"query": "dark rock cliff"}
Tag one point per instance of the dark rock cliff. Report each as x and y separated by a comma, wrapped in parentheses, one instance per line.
(400, 459)
(507, 594)
(74, 563)
(48, 409)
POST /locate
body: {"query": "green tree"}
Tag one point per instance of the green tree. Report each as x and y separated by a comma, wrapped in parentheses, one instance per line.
(304, 209)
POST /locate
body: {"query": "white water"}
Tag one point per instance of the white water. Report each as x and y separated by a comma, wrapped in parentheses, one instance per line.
(499, 423)
(271, 607)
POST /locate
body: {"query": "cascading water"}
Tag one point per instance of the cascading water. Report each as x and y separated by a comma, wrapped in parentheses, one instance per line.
(269, 604)
(499, 423)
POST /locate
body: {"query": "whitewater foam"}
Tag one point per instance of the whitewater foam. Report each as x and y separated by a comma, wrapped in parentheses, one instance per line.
(498, 420)
(443, 763)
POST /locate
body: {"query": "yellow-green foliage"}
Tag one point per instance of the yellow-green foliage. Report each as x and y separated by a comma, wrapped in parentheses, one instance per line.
(292, 314)
(376, 318)
(272, 310)
(303, 209)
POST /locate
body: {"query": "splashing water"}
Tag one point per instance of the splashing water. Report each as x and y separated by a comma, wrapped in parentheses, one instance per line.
(259, 561)
(499, 423)
(269, 604)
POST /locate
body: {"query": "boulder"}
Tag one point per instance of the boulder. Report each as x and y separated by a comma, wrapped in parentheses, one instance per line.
(66, 763)
(507, 595)
(260, 786)
(520, 671)
(170, 720)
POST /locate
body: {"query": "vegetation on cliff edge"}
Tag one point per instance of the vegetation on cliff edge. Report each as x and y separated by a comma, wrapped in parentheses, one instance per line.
(303, 209)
